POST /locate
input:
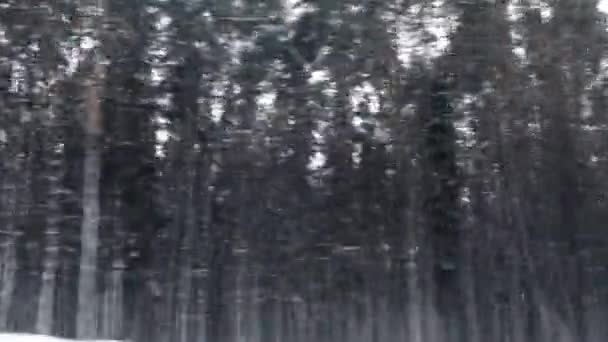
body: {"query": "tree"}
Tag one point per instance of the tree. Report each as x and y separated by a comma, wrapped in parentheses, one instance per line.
(93, 126)
(442, 181)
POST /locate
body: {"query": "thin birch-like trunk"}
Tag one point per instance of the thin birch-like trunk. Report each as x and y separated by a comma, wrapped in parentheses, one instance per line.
(415, 293)
(241, 267)
(414, 305)
(8, 257)
(432, 324)
(183, 300)
(188, 246)
(207, 197)
(170, 304)
(496, 288)
(112, 311)
(55, 163)
(374, 314)
(468, 278)
(253, 309)
(46, 304)
(7, 276)
(239, 299)
(517, 328)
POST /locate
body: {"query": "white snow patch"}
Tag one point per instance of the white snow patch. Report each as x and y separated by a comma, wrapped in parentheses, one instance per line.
(602, 6)
(424, 30)
(318, 76)
(20, 337)
(162, 136)
(293, 9)
(88, 43)
(317, 161)
(546, 11)
(363, 92)
(163, 22)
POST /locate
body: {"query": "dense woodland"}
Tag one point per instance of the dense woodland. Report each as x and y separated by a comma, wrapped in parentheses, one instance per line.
(313, 170)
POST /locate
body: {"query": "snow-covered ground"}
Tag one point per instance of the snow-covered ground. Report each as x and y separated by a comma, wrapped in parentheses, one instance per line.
(13, 337)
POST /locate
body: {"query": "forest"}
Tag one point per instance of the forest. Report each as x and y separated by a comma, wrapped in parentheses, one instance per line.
(304, 170)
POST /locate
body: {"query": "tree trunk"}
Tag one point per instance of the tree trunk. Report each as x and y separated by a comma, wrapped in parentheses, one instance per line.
(54, 165)
(185, 282)
(112, 307)
(7, 276)
(113, 301)
(86, 326)
(415, 293)
(469, 288)
(87, 289)
(239, 334)
(8, 256)
(253, 309)
(44, 321)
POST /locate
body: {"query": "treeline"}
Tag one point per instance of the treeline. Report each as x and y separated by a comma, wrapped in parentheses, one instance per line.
(253, 171)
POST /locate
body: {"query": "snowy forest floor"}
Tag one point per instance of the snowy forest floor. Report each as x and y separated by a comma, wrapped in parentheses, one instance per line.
(18, 337)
